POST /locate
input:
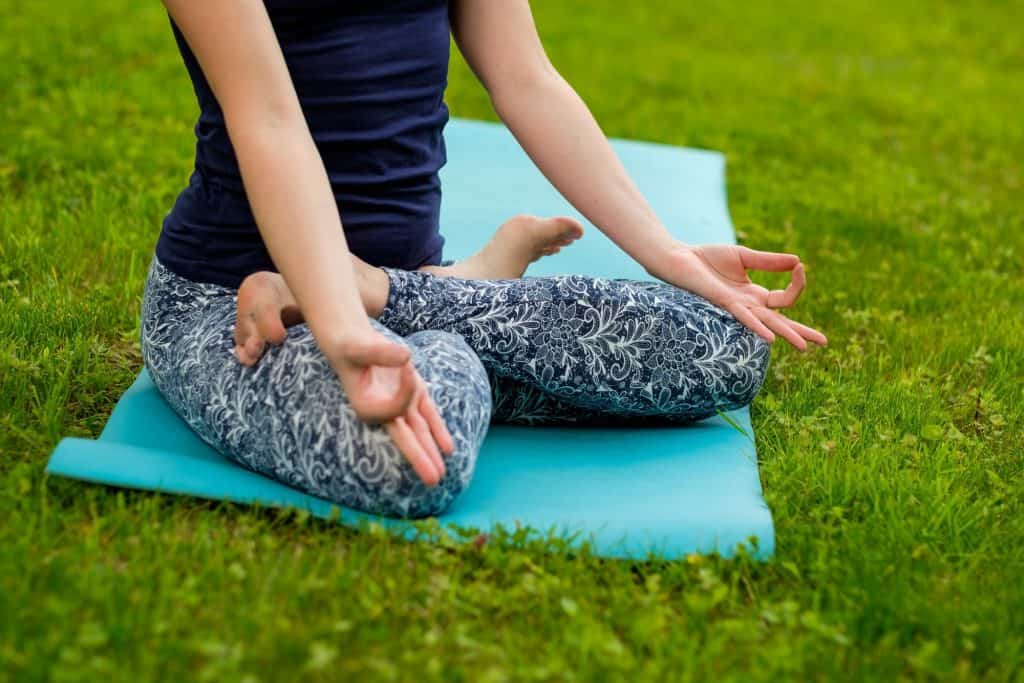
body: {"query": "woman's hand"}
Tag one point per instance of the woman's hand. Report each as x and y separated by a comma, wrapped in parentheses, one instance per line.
(718, 272)
(377, 375)
(383, 386)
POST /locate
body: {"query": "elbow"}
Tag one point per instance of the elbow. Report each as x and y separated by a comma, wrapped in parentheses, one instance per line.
(265, 118)
(523, 85)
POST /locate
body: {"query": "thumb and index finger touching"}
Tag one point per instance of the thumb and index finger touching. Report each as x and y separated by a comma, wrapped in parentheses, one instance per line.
(386, 375)
(768, 260)
(773, 262)
(779, 263)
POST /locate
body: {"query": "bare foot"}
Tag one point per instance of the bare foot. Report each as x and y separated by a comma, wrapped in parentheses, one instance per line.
(266, 307)
(517, 243)
(264, 303)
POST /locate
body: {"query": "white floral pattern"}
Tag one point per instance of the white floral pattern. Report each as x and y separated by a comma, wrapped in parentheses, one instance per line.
(581, 349)
(534, 350)
(288, 418)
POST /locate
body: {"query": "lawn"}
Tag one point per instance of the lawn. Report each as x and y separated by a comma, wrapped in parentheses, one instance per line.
(879, 140)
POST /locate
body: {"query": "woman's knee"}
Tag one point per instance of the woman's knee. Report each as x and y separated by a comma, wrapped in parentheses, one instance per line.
(456, 378)
(746, 370)
(707, 362)
(460, 390)
(359, 466)
(389, 486)
(424, 501)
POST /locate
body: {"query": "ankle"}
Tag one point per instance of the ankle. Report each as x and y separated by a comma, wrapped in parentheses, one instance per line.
(374, 286)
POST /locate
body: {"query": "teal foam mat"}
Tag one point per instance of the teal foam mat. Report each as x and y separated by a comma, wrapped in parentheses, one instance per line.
(667, 490)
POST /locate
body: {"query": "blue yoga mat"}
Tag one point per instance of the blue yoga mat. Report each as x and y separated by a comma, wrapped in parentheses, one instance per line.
(629, 492)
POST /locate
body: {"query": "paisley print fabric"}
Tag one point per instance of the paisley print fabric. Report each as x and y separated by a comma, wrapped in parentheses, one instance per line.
(535, 350)
(582, 349)
(288, 418)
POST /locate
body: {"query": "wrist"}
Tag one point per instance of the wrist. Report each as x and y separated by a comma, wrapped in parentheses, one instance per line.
(337, 329)
(669, 258)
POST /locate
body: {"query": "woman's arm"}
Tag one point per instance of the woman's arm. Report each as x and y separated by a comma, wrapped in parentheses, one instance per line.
(295, 210)
(284, 177)
(554, 126)
(556, 129)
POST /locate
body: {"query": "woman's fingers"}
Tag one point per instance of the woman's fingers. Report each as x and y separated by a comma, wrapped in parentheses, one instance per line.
(796, 333)
(786, 298)
(379, 393)
(752, 305)
(426, 439)
(384, 393)
(743, 314)
(809, 333)
(780, 324)
(438, 428)
(767, 323)
(403, 436)
(767, 260)
(414, 435)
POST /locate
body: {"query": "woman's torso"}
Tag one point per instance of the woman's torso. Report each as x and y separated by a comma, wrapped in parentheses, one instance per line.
(370, 77)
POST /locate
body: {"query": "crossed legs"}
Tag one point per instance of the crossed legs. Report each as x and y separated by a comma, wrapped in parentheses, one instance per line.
(573, 348)
(288, 418)
(567, 348)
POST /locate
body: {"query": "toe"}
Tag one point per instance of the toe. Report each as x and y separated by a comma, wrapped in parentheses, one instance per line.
(270, 326)
(254, 348)
(570, 229)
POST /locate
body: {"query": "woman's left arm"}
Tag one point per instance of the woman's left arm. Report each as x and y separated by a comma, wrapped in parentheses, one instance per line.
(553, 125)
(556, 129)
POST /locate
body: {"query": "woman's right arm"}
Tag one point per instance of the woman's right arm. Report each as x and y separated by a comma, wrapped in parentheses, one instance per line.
(295, 210)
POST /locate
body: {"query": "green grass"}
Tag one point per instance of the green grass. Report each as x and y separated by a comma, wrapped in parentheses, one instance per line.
(879, 140)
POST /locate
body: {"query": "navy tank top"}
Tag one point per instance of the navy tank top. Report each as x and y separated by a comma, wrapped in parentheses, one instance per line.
(370, 76)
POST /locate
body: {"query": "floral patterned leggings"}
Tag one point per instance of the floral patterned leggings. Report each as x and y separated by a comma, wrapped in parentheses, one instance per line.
(534, 350)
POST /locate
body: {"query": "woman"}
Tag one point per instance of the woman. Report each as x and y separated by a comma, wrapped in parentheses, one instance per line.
(311, 222)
